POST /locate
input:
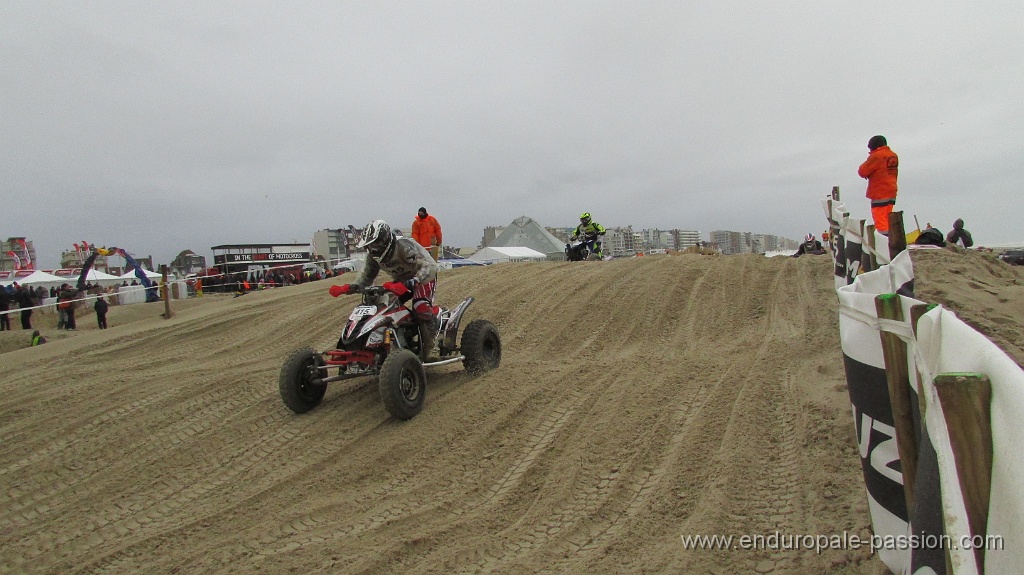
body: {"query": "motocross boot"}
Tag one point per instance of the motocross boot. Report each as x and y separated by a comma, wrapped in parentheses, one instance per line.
(428, 338)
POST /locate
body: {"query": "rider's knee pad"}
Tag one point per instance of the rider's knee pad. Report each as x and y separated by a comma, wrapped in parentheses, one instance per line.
(423, 309)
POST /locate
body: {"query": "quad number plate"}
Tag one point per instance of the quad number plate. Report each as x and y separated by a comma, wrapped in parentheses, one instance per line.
(363, 310)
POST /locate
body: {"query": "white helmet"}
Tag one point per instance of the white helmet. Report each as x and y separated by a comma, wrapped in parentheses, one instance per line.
(377, 238)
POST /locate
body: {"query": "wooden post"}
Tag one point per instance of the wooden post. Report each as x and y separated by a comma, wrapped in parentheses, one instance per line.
(894, 352)
(833, 225)
(865, 263)
(966, 400)
(916, 311)
(869, 239)
(897, 235)
(165, 292)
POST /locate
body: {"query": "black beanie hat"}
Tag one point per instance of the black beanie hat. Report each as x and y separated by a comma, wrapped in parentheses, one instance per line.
(424, 210)
(876, 142)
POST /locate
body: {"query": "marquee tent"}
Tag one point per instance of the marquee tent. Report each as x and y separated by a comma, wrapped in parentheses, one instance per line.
(508, 254)
(149, 274)
(102, 278)
(39, 277)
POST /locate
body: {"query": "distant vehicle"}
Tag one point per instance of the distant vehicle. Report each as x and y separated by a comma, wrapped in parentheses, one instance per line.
(1013, 257)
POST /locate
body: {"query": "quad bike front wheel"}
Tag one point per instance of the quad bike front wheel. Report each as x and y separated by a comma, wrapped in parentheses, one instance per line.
(403, 384)
(296, 384)
(481, 345)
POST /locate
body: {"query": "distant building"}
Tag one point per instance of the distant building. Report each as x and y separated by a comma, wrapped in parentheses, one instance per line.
(335, 244)
(490, 233)
(619, 242)
(683, 239)
(188, 262)
(675, 239)
(728, 242)
(563, 234)
(71, 259)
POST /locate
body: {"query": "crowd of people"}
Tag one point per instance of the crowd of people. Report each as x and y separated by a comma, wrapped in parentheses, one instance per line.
(23, 300)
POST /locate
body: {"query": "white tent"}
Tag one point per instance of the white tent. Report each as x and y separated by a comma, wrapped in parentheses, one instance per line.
(102, 278)
(131, 275)
(507, 254)
(41, 278)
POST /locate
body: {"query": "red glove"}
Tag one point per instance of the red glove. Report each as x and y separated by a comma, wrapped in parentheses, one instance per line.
(397, 288)
(337, 290)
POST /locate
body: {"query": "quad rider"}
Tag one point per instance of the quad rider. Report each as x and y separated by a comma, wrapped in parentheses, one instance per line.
(413, 271)
(590, 230)
(810, 245)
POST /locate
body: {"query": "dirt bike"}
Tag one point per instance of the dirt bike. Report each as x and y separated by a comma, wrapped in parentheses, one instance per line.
(581, 248)
(382, 338)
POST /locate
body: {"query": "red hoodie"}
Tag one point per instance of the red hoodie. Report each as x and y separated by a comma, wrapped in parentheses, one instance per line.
(880, 170)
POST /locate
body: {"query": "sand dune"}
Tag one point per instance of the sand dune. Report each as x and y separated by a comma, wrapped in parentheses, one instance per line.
(638, 400)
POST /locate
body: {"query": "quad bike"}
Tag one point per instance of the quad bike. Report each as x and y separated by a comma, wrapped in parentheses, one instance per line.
(581, 248)
(382, 338)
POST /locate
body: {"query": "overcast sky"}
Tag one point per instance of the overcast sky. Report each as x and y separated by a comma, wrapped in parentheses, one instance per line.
(161, 126)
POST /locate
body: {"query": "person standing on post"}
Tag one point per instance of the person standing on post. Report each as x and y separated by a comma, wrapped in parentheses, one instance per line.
(427, 232)
(880, 170)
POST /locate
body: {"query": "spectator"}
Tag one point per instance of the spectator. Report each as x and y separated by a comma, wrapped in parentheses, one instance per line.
(880, 170)
(101, 308)
(959, 235)
(427, 232)
(26, 301)
(62, 314)
(66, 302)
(5, 306)
(37, 339)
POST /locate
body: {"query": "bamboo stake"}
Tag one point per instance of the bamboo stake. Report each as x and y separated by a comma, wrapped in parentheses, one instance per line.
(894, 352)
(966, 400)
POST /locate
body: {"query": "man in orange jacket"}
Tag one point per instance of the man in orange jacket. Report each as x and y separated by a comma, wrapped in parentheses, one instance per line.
(880, 170)
(427, 232)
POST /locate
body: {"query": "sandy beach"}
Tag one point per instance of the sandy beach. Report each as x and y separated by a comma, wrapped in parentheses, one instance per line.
(638, 401)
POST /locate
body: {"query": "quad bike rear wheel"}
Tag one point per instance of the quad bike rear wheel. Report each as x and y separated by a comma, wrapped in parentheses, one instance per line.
(403, 384)
(481, 345)
(298, 390)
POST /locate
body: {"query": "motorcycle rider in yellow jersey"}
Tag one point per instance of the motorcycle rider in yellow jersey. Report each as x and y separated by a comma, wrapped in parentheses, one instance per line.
(588, 227)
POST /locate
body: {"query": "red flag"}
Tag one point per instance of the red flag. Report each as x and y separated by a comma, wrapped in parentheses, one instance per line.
(17, 260)
(28, 258)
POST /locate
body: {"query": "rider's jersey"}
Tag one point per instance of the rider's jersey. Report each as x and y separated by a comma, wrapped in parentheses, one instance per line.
(593, 228)
(408, 260)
